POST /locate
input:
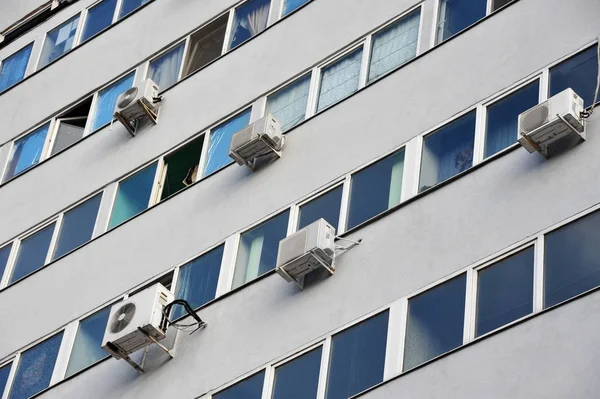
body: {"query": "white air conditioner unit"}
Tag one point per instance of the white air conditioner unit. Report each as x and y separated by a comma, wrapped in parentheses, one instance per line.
(308, 249)
(137, 103)
(557, 118)
(261, 141)
(140, 311)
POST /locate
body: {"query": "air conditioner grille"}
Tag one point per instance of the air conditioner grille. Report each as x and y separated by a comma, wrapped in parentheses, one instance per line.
(122, 318)
(127, 97)
(535, 118)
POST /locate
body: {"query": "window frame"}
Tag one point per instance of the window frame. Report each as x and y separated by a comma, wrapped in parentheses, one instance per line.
(295, 208)
(76, 39)
(28, 65)
(146, 65)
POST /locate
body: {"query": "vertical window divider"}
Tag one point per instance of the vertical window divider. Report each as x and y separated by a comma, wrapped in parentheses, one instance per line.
(186, 48)
(275, 8)
(105, 210)
(479, 142)
(175, 279)
(38, 56)
(420, 31)
(435, 26)
(469, 330)
(14, 249)
(90, 123)
(203, 155)
(79, 32)
(259, 108)
(157, 184)
(412, 164)
(228, 31)
(64, 353)
(313, 92)
(293, 221)
(57, 226)
(48, 143)
(117, 11)
(538, 274)
(324, 370)
(544, 84)
(344, 205)
(11, 375)
(366, 59)
(489, 6)
(395, 339)
(6, 152)
(267, 391)
(225, 281)
(281, 8)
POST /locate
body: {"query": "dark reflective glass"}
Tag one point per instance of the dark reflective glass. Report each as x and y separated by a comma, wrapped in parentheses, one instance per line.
(327, 206)
(299, 378)
(182, 167)
(98, 18)
(32, 253)
(456, 15)
(4, 254)
(500, 3)
(133, 196)
(87, 348)
(131, 5)
(291, 5)
(579, 73)
(78, 226)
(250, 388)
(205, 45)
(4, 372)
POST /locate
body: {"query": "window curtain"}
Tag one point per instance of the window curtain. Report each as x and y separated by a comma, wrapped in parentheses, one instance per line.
(395, 45)
(340, 79)
(251, 19)
(291, 5)
(288, 105)
(220, 141)
(164, 71)
(12, 69)
(27, 152)
(107, 99)
(59, 41)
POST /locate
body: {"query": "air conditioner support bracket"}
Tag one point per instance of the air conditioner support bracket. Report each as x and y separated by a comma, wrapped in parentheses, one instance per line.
(151, 338)
(266, 158)
(339, 250)
(131, 126)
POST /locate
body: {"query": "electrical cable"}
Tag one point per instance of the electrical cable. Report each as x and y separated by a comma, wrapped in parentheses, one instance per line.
(199, 324)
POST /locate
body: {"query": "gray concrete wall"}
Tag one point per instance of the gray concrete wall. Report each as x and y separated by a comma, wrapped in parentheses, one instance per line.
(13, 10)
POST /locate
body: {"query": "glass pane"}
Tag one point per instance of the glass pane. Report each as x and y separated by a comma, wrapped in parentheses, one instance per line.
(220, 141)
(505, 292)
(4, 372)
(250, 388)
(35, 368)
(87, 348)
(205, 45)
(98, 18)
(77, 226)
(291, 5)
(250, 19)
(197, 281)
(182, 167)
(288, 105)
(299, 378)
(59, 41)
(133, 196)
(258, 249)
(107, 99)
(327, 206)
(130, 6)
(13, 68)
(572, 260)
(456, 15)
(500, 3)
(579, 73)
(357, 358)
(448, 151)
(503, 117)
(68, 133)
(436, 321)
(164, 70)
(340, 79)
(375, 189)
(4, 254)
(32, 253)
(395, 45)
(27, 152)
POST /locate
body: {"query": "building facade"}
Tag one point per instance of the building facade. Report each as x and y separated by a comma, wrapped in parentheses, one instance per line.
(478, 269)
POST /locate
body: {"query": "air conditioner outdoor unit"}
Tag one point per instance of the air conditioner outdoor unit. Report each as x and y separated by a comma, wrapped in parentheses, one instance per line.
(136, 322)
(137, 103)
(557, 118)
(261, 141)
(308, 249)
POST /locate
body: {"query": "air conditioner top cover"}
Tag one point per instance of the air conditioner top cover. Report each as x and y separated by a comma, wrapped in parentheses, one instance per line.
(146, 92)
(261, 138)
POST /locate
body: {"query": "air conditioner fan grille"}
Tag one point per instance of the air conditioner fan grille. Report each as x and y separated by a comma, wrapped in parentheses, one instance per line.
(535, 118)
(122, 318)
(127, 97)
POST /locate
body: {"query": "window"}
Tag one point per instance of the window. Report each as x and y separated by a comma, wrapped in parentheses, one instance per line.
(456, 15)
(70, 126)
(181, 167)
(499, 4)
(572, 260)
(32, 253)
(4, 255)
(129, 6)
(87, 348)
(258, 249)
(326, 206)
(220, 141)
(13, 68)
(579, 73)
(164, 71)
(299, 378)
(4, 372)
(357, 357)
(291, 5)
(395, 45)
(107, 99)
(503, 118)
(77, 226)
(447, 151)
(27, 152)
(197, 281)
(504, 292)
(35, 368)
(288, 105)
(250, 388)
(250, 19)
(435, 322)
(205, 45)
(59, 41)
(133, 196)
(98, 18)
(375, 189)
(340, 79)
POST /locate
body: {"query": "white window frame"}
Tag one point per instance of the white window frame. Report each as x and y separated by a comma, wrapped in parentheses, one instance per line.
(75, 40)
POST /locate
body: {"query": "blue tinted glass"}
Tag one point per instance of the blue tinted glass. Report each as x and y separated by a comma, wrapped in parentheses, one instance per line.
(27, 152)
(357, 358)
(505, 292)
(288, 105)
(59, 41)
(436, 321)
(327, 206)
(340, 79)
(98, 18)
(250, 388)
(164, 70)
(579, 73)
(503, 118)
(78, 226)
(4, 254)
(130, 6)
(291, 5)
(87, 348)
(4, 372)
(13, 68)
(35, 368)
(220, 141)
(133, 196)
(375, 189)
(448, 151)
(250, 19)
(299, 378)
(107, 99)
(456, 15)
(32, 253)
(197, 281)
(572, 260)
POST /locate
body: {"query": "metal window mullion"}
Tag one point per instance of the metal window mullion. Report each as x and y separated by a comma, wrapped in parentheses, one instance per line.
(227, 271)
(8, 269)
(293, 219)
(228, 31)
(49, 142)
(64, 352)
(105, 211)
(203, 156)
(186, 48)
(412, 164)
(11, 375)
(544, 85)
(436, 23)
(57, 227)
(5, 157)
(118, 7)
(538, 274)
(489, 7)
(468, 330)
(363, 76)
(344, 205)
(91, 115)
(268, 383)
(274, 15)
(36, 65)
(479, 142)
(282, 4)
(175, 279)
(395, 339)
(156, 183)
(420, 31)
(313, 93)
(324, 369)
(79, 31)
